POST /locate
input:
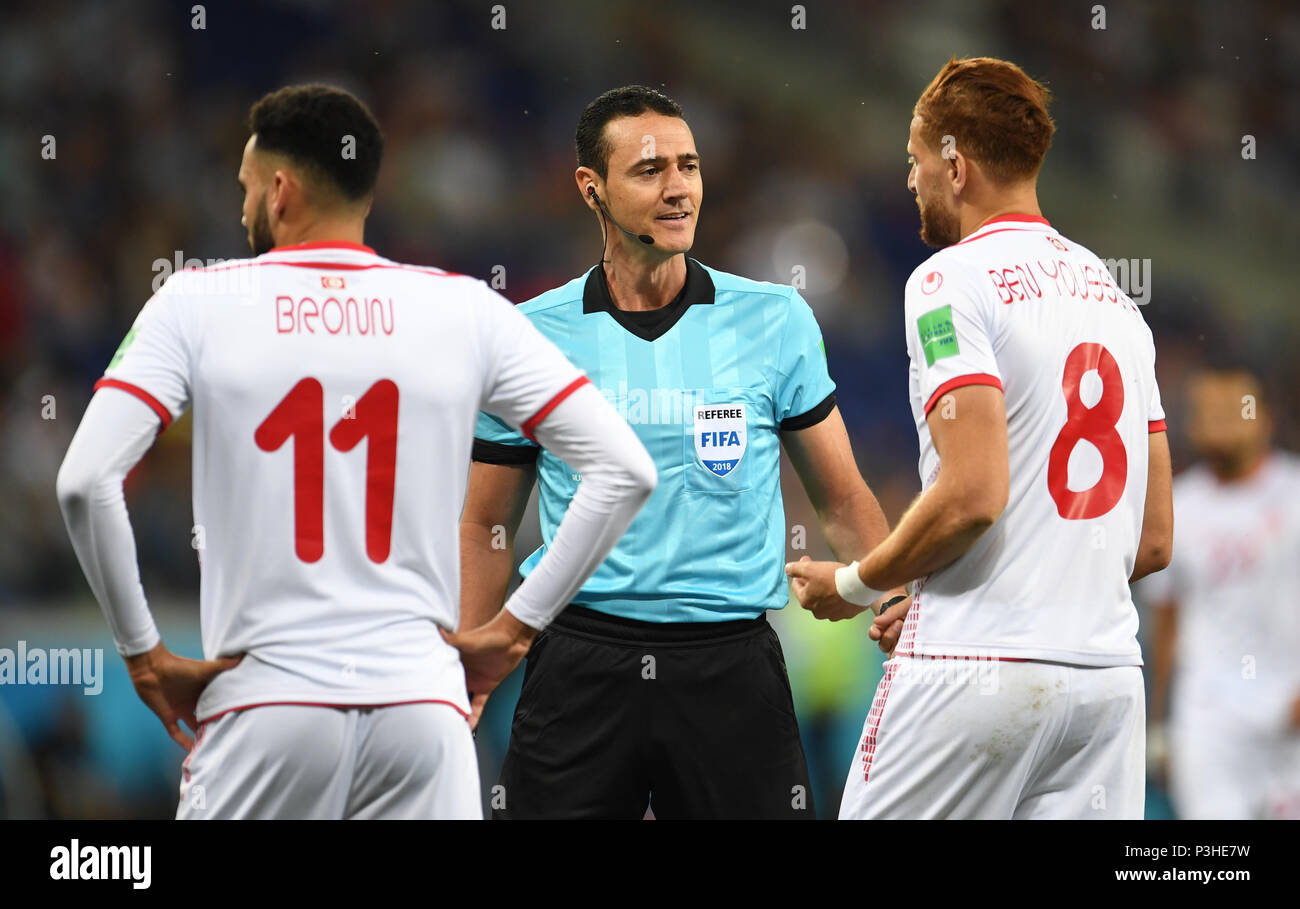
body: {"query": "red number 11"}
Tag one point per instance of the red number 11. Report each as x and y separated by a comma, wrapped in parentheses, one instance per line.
(300, 416)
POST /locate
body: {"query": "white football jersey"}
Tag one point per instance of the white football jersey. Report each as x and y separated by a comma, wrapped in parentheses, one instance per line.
(1017, 306)
(335, 394)
(1235, 580)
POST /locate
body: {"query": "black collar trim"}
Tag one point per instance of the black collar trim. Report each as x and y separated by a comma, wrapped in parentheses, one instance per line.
(655, 323)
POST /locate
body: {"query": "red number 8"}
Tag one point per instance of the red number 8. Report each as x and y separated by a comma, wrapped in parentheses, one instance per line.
(1095, 424)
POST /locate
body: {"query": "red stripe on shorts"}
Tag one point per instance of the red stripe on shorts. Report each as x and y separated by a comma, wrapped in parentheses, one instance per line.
(873, 717)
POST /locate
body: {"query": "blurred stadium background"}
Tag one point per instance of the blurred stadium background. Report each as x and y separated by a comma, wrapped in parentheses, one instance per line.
(802, 134)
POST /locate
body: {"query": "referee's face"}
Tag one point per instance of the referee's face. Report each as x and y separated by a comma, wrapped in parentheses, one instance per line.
(653, 184)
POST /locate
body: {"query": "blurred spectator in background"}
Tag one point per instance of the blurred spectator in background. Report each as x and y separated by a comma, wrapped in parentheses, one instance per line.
(1227, 623)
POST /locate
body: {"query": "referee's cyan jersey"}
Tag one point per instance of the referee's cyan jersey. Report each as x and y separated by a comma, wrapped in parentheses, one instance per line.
(707, 382)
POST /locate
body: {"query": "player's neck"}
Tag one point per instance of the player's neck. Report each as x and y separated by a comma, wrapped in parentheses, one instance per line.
(1241, 470)
(639, 283)
(1021, 202)
(323, 230)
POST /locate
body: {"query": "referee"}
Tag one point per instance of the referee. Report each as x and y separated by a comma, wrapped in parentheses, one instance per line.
(662, 683)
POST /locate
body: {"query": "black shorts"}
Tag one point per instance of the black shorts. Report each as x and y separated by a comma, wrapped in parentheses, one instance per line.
(694, 719)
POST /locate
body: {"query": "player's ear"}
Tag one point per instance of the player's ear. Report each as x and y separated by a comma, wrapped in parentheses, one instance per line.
(958, 171)
(277, 194)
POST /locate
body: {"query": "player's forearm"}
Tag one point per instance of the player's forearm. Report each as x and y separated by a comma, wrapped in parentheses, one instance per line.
(1166, 636)
(596, 518)
(937, 530)
(618, 477)
(114, 433)
(484, 573)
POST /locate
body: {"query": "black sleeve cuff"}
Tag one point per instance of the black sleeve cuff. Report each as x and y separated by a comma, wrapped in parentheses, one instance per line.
(497, 453)
(804, 420)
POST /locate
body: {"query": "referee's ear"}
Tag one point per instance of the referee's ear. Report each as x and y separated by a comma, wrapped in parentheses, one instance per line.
(588, 184)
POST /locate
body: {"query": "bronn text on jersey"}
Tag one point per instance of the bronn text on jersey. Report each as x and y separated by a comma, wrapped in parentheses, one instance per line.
(332, 316)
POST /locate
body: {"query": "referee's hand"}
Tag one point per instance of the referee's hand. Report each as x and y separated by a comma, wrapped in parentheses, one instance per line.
(490, 653)
(813, 584)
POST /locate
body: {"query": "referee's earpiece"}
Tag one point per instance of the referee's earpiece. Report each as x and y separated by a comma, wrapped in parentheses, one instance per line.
(644, 238)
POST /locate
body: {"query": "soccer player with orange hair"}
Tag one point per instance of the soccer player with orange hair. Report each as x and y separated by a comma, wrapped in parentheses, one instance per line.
(1016, 687)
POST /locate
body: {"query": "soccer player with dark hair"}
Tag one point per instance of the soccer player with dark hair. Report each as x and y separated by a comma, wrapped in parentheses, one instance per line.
(334, 394)
(1016, 688)
(663, 683)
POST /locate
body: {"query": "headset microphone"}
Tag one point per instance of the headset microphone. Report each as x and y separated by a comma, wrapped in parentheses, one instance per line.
(644, 238)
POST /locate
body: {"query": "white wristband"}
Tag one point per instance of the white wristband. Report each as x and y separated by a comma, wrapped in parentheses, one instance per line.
(852, 590)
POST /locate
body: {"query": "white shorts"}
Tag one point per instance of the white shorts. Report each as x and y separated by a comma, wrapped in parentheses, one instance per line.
(1223, 769)
(407, 761)
(1000, 739)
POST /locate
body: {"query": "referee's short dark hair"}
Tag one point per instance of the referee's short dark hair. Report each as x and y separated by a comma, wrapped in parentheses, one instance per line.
(628, 101)
(326, 131)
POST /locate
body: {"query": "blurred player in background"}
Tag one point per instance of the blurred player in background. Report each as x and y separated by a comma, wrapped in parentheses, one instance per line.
(1227, 614)
(663, 682)
(334, 396)
(1016, 688)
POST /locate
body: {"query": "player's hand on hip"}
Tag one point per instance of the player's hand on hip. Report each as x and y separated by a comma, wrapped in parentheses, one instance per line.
(477, 701)
(490, 653)
(170, 685)
(813, 584)
(887, 627)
